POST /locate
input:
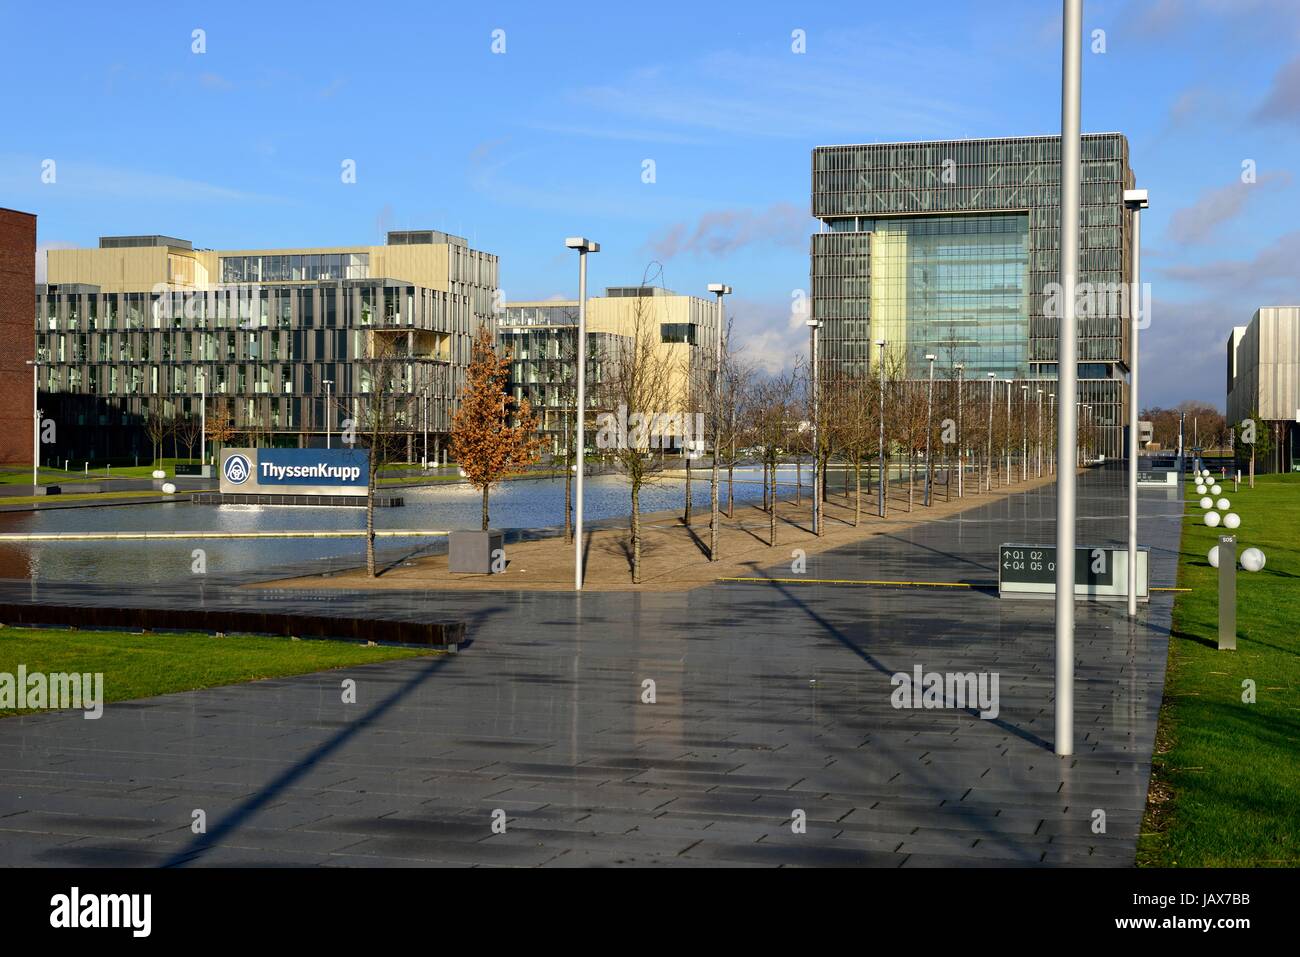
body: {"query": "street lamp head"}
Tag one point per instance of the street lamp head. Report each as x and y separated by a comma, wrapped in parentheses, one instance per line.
(930, 357)
(813, 323)
(721, 288)
(881, 343)
(582, 244)
(1135, 199)
(993, 375)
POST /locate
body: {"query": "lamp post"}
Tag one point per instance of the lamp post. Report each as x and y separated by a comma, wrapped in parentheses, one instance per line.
(1067, 369)
(583, 246)
(929, 414)
(813, 326)
(961, 438)
(1053, 434)
(988, 458)
(884, 475)
(1039, 468)
(203, 420)
(424, 425)
(1136, 201)
(328, 383)
(1024, 433)
(1007, 441)
(718, 289)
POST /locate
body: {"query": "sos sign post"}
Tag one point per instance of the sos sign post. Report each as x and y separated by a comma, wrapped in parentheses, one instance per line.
(1100, 573)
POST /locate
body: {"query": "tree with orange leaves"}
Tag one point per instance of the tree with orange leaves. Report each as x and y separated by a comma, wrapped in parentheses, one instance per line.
(484, 442)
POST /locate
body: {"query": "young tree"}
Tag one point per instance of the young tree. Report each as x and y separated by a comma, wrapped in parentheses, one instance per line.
(187, 433)
(157, 425)
(491, 434)
(643, 380)
(220, 428)
(771, 411)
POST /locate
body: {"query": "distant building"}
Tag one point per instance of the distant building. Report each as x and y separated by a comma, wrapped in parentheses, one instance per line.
(949, 248)
(17, 286)
(542, 336)
(1263, 364)
(147, 323)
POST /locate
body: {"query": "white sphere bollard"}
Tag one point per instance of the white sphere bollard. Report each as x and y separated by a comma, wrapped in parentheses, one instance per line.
(168, 488)
(159, 473)
(1252, 559)
(1201, 490)
(1231, 520)
(1212, 519)
(1213, 556)
(1205, 472)
(1207, 502)
(1216, 489)
(1223, 505)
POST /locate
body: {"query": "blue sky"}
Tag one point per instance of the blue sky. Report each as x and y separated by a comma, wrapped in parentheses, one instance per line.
(242, 146)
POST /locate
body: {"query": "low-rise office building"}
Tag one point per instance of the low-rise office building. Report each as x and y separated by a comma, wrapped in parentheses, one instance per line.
(282, 342)
(542, 337)
(1263, 366)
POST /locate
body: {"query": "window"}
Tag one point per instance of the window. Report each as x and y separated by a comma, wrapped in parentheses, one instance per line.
(677, 332)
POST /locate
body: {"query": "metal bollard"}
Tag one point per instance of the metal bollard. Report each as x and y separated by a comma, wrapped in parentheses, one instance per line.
(1227, 592)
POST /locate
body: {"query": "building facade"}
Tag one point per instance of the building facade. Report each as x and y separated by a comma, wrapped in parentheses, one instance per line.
(951, 249)
(282, 342)
(542, 336)
(1263, 359)
(17, 286)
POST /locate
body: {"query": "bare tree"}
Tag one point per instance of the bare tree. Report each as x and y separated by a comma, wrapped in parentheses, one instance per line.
(641, 380)
(188, 430)
(771, 412)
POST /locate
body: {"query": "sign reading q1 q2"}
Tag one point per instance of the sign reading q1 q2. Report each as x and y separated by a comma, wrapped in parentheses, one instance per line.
(295, 471)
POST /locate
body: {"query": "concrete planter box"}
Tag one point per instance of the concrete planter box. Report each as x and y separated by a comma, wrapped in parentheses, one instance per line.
(470, 553)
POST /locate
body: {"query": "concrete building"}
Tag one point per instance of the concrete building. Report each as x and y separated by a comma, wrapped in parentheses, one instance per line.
(1263, 366)
(147, 324)
(950, 248)
(17, 287)
(541, 337)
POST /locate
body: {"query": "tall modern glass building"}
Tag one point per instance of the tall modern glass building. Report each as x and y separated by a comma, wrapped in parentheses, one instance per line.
(949, 248)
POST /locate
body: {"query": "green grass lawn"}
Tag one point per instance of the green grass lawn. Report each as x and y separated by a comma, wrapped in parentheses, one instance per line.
(1226, 780)
(84, 497)
(100, 473)
(142, 665)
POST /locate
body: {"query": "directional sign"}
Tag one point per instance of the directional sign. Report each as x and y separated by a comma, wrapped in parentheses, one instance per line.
(1029, 571)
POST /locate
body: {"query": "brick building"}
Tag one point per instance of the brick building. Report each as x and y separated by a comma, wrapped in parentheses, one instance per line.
(17, 338)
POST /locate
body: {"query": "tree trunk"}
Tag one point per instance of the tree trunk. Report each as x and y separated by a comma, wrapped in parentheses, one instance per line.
(911, 478)
(485, 508)
(636, 533)
(771, 523)
(765, 486)
(846, 479)
(568, 505)
(857, 498)
(686, 519)
(798, 480)
(370, 522)
(731, 478)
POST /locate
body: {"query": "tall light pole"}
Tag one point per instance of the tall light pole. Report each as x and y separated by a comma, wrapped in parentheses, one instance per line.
(1053, 431)
(424, 424)
(1024, 433)
(36, 424)
(718, 289)
(1008, 438)
(1067, 370)
(1136, 201)
(203, 420)
(328, 383)
(961, 436)
(813, 326)
(929, 414)
(988, 473)
(884, 475)
(1039, 469)
(583, 246)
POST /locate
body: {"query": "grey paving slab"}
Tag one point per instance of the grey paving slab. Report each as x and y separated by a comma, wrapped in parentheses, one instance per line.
(772, 699)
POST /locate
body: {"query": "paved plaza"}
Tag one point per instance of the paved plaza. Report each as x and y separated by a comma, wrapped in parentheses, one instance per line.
(772, 704)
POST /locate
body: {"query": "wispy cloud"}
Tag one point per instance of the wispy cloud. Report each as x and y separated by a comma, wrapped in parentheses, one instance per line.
(79, 179)
(1282, 103)
(720, 232)
(1216, 207)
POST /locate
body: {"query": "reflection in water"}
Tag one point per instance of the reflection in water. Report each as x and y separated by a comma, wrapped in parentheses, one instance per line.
(514, 505)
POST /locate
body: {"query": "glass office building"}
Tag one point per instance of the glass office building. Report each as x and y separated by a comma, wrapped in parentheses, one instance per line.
(145, 327)
(950, 249)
